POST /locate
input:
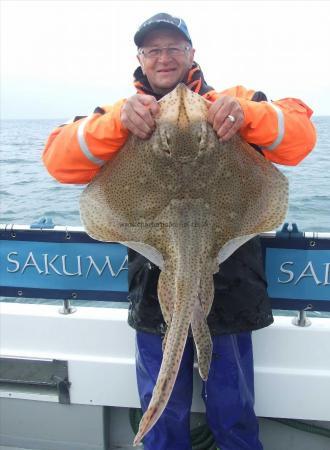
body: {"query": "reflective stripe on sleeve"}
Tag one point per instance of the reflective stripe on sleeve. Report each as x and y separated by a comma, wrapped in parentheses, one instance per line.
(280, 127)
(83, 143)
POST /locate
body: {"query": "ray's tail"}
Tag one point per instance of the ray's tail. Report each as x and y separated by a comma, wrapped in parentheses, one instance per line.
(181, 280)
(199, 326)
(175, 344)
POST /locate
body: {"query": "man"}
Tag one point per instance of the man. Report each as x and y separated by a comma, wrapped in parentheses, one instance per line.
(283, 133)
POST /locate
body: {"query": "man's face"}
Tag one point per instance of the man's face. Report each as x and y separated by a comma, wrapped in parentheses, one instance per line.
(166, 70)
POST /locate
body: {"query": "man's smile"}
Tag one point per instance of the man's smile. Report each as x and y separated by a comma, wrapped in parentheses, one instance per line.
(165, 70)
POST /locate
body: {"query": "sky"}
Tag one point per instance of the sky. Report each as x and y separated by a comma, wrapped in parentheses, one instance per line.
(63, 58)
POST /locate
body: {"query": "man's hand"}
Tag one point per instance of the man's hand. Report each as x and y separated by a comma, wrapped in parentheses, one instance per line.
(137, 115)
(218, 117)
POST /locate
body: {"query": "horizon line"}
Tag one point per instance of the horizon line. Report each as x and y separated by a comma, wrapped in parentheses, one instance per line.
(66, 118)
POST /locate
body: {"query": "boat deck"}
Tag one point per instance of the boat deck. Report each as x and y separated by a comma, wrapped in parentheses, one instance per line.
(273, 435)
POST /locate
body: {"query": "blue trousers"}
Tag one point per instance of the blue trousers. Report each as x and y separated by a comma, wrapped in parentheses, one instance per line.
(228, 394)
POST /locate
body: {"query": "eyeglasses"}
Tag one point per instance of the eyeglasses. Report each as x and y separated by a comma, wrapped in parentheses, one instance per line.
(155, 52)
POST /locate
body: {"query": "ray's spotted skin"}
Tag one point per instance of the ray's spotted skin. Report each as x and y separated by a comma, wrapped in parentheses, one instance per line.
(186, 202)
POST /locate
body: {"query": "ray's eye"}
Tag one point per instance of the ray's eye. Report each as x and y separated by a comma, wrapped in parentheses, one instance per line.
(166, 141)
(202, 136)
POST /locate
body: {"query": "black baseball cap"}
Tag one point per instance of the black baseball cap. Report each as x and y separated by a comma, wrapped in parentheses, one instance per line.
(161, 20)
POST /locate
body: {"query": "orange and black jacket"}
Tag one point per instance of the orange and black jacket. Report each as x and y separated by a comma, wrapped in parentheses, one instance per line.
(75, 152)
(281, 130)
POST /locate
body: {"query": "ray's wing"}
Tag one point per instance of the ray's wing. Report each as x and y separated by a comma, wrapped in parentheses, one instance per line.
(125, 195)
(250, 197)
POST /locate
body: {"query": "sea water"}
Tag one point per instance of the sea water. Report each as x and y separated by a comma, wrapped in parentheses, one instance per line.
(28, 192)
